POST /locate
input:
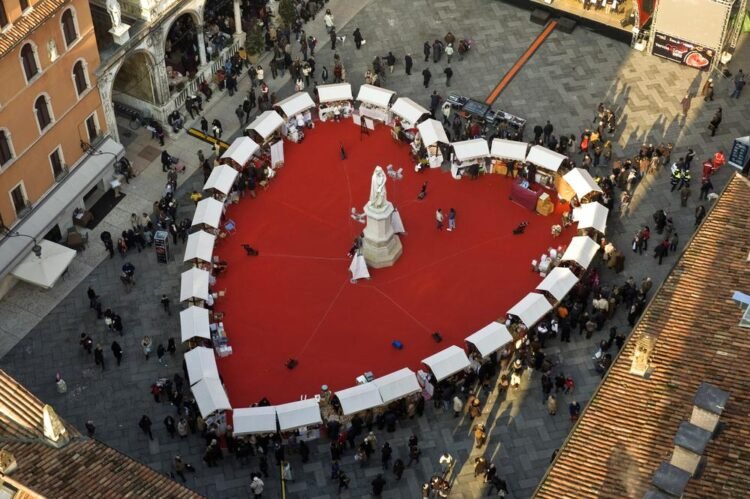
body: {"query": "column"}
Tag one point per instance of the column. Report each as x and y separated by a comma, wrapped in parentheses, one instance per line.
(201, 46)
(239, 35)
(105, 83)
(161, 80)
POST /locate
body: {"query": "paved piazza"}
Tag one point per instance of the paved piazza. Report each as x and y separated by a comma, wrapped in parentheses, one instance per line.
(563, 82)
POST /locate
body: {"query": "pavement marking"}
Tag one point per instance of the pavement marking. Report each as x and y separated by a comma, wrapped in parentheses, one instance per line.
(207, 138)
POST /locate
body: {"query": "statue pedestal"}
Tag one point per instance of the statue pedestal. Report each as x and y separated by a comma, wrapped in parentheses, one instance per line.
(120, 33)
(381, 247)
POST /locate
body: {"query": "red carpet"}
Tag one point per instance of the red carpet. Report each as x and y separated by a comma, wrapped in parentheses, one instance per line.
(295, 299)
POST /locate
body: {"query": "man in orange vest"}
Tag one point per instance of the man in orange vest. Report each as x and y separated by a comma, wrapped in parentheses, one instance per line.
(719, 160)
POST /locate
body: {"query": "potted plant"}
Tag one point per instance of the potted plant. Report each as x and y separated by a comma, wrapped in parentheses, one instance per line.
(255, 42)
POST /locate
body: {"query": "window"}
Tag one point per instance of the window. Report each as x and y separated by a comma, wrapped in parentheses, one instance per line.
(43, 117)
(3, 15)
(24, 4)
(19, 199)
(6, 150)
(28, 59)
(56, 161)
(69, 27)
(79, 77)
(92, 128)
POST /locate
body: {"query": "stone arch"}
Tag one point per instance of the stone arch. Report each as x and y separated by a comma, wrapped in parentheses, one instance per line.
(182, 38)
(135, 78)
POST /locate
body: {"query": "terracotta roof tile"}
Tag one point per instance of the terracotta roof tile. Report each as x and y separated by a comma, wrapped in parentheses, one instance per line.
(628, 428)
(24, 26)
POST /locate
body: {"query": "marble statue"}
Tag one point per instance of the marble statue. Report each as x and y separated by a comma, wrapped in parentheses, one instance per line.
(52, 49)
(378, 197)
(113, 7)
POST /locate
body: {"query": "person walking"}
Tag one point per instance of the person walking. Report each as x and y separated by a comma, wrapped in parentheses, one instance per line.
(439, 218)
(378, 484)
(170, 426)
(179, 468)
(332, 34)
(390, 60)
(160, 351)
(700, 212)
(480, 435)
(449, 52)
(426, 48)
(708, 90)
(343, 481)
(92, 297)
(146, 344)
(398, 468)
(451, 219)
(408, 62)
(165, 304)
(145, 424)
(715, 122)
(739, 84)
(117, 351)
(99, 356)
(358, 38)
(87, 343)
(90, 428)
(240, 113)
(385, 455)
(448, 75)
(414, 454)
(204, 125)
(673, 240)
(551, 405)
(256, 487)
(426, 75)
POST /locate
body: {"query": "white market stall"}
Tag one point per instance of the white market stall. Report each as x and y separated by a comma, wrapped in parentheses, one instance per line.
(581, 250)
(467, 153)
(240, 152)
(531, 308)
(447, 362)
(549, 161)
(359, 398)
(221, 180)
(210, 396)
(579, 183)
(199, 247)
(194, 323)
(297, 115)
(409, 112)
(375, 102)
(201, 363)
(46, 269)
(490, 338)
(254, 420)
(591, 216)
(298, 414)
(265, 128)
(558, 282)
(432, 134)
(397, 385)
(208, 213)
(335, 101)
(194, 285)
(505, 152)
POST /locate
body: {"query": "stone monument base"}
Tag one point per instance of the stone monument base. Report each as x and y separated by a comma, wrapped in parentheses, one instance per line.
(380, 247)
(120, 33)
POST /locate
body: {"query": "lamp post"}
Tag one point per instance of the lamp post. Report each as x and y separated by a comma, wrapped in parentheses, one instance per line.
(36, 249)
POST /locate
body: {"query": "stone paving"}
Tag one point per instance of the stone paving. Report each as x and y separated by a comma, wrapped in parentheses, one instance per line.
(563, 82)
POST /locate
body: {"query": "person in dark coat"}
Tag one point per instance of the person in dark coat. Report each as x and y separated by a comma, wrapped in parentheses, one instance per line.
(357, 38)
(426, 75)
(408, 62)
(426, 49)
(448, 75)
(715, 122)
(117, 351)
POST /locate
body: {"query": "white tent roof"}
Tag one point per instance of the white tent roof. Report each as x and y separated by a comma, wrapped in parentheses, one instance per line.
(334, 92)
(254, 420)
(375, 96)
(297, 103)
(509, 149)
(194, 284)
(201, 363)
(408, 110)
(490, 338)
(397, 385)
(44, 271)
(296, 414)
(267, 123)
(558, 282)
(241, 150)
(194, 323)
(591, 215)
(222, 178)
(531, 308)
(471, 149)
(210, 396)
(447, 362)
(200, 246)
(581, 182)
(359, 398)
(544, 158)
(432, 132)
(208, 212)
(582, 249)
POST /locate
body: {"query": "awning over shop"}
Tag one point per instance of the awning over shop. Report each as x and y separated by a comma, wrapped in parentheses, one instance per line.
(447, 362)
(334, 92)
(194, 324)
(194, 284)
(359, 398)
(297, 103)
(221, 179)
(591, 216)
(490, 338)
(200, 246)
(432, 132)
(545, 158)
(375, 96)
(467, 150)
(531, 308)
(241, 150)
(397, 385)
(208, 212)
(582, 249)
(249, 420)
(408, 110)
(210, 396)
(558, 282)
(298, 414)
(581, 183)
(509, 149)
(45, 270)
(201, 363)
(266, 124)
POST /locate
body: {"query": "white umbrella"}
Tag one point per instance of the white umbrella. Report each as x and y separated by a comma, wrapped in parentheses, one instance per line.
(45, 270)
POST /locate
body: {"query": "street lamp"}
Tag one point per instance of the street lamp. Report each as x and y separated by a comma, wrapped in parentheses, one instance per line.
(36, 249)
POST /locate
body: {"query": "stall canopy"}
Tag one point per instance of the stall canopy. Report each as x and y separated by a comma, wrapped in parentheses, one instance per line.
(297, 414)
(432, 132)
(194, 284)
(45, 270)
(581, 182)
(297, 103)
(397, 385)
(582, 249)
(266, 124)
(208, 212)
(409, 110)
(544, 158)
(201, 363)
(210, 396)
(447, 362)
(490, 338)
(254, 420)
(241, 150)
(531, 308)
(558, 282)
(375, 96)
(334, 92)
(194, 323)
(200, 246)
(359, 398)
(221, 179)
(471, 149)
(591, 216)
(509, 149)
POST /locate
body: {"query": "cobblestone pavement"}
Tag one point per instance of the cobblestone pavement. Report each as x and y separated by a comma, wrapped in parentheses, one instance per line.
(563, 82)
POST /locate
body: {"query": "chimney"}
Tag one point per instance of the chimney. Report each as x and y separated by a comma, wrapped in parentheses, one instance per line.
(54, 430)
(670, 480)
(689, 444)
(644, 349)
(708, 404)
(7, 462)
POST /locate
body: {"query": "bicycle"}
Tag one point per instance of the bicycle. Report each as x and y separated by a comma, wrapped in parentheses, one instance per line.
(136, 120)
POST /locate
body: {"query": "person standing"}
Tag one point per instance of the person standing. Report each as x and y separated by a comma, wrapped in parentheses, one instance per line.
(240, 113)
(398, 468)
(449, 52)
(385, 455)
(169, 424)
(165, 304)
(117, 351)
(739, 83)
(160, 351)
(99, 356)
(547, 132)
(378, 484)
(390, 60)
(329, 20)
(673, 242)
(451, 219)
(715, 122)
(700, 212)
(256, 487)
(708, 90)
(426, 49)
(357, 38)
(90, 428)
(87, 343)
(146, 344)
(439, 218)
(408, 62)
(145, 424)
(448, 75)
(179, 468)
(332, 33)
(204, 125)
(92, 297)
(426, 75)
